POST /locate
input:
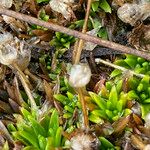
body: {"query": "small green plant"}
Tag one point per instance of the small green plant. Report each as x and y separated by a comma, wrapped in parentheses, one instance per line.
(137, 64)
(139, 89)
(62, 40)
(110, 106)
(70, 104)
(37, 133)
(101, 4)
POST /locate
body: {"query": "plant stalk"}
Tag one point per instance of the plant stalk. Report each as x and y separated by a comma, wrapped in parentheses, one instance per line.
(86, 37)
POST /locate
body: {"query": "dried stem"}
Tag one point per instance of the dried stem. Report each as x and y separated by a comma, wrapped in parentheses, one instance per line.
(85, 112)
(99, 60)
(78, 50)
(25, 85)
(81, 41)
(74, 33)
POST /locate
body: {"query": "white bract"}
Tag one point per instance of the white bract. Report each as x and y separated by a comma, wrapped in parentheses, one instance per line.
(80, 75)
(13, 51)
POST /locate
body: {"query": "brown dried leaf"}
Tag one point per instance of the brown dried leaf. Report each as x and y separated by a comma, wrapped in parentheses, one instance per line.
(5, 133)
(15, 24)
(14, 106)
(5, 107)
(121, 124)
(43, 35)
(140, 37)
(48, 91)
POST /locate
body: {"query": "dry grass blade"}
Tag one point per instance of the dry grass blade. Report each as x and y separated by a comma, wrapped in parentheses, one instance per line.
(5, 133)
(48, 91)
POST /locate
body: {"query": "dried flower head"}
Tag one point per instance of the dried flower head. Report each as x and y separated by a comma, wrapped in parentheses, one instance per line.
(63, 7)
(84, 141)
(80, 75)
(6, 3)
(147, 147)
(13, 51)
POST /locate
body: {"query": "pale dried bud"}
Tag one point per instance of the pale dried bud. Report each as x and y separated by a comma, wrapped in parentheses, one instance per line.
(147, 120)
(80, 75)
(13, 51)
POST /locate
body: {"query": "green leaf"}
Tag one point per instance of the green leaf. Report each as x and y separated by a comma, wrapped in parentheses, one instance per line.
(29, 137)
(41, 1)
(98, 100)
(145, 80)
(50, 144)
(145, 109)
(99, 113)
(147, 101)
(67, 45)
(95, 119)
(122, 63)
(54, 121)
(45, 122)
(115, 73)
(70, 96)
(11, 127)
(58, 35)
(140, 60)
(25, 113)
(102, 33)
(42, 142)
(132, 95)
(58, 137)
(109, 114)
(67, 115)
(38, 129)
(140, 87)
(119, 106)
(140, 70)
(113, 97)
(133, 83)
(29, 148)
(131, 62)
(119, 86)
(105, 6)
(95, 5)
(69, 109)
(61, 98)
(106, 143)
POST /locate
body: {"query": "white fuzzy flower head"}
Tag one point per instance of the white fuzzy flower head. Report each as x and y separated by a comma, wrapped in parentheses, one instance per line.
(12, 50)
(6, 3)
(147, 147)
(84, 141)
(80, 75)
(147, 120)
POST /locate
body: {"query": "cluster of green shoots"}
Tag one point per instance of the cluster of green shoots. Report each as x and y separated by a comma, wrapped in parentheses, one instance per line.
(138, 88)
(36, 131)
(110, 104)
